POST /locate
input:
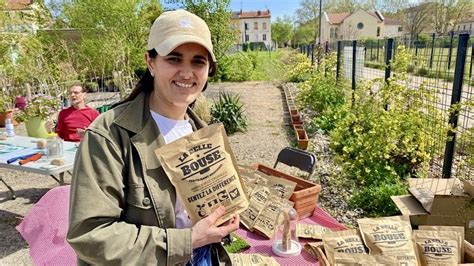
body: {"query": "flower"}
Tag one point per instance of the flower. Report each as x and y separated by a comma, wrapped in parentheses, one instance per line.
(41, 106)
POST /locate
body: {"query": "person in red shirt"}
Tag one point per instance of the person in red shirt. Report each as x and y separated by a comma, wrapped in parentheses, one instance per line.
(73, 121)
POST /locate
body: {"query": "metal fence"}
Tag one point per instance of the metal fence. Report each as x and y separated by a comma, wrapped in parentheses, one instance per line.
(443, 65)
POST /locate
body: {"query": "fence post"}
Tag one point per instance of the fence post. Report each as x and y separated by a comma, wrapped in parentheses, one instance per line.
(472, 59)
(338, 62)
(432, 50)
(450, 51)
(312, 54)
(455, 99)
(354, 50)
(378, 47)
(416, 45)
(388, 59)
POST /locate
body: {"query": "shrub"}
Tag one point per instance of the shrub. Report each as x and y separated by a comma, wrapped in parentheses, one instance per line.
(321, 94)
(378, 148)
(236, 67)
(376, 199)
(299, 68)
(228, 110)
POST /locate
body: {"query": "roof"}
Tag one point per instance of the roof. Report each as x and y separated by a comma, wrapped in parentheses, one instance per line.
(338, 18)
(391, 21)
(17, 4)
(251, 14)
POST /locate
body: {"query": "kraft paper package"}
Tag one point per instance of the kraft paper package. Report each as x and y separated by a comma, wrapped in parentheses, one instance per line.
(438, 247)
(257, 201)
(360, 259)
(347, 241)
(389, 236)
(252, 259)
(312, 231)
(203, 169)
(456, 229)
(252, 177)
(267, 220)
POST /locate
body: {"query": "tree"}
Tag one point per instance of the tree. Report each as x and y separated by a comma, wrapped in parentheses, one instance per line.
(308, 13)
(417, 18)
(282, 30)
(303, 34)
(217, 15)
(448, 13)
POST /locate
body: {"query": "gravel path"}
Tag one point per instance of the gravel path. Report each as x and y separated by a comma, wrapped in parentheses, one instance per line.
(267, 134)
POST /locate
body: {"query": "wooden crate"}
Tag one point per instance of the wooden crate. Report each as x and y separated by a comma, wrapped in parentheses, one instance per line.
(306, 194)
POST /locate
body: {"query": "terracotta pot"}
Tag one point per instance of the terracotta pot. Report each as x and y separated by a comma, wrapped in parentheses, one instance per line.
(294, 112)
(302, 138)
(5, 115)
(296, 119)
(298, 126)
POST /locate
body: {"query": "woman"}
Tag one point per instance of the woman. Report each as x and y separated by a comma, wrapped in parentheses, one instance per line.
(123, 207)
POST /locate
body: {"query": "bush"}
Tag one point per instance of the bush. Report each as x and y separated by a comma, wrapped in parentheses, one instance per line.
(236, 67)
(376, 199)
(202, 107)
(377, 148)
(321, 94)
(228, 110)
(299, 68)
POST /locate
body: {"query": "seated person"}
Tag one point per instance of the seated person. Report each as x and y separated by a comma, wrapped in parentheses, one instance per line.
(73, 121)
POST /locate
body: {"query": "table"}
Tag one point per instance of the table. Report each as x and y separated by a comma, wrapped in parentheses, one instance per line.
(261, 245)
(22, 145)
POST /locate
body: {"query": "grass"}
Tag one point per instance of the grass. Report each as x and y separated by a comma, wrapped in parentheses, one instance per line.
(269, 66)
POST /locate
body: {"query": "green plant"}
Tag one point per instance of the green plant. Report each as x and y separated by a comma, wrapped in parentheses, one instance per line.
(299, 68)
(236, 67)
(41, 106)
(391, 133)
(6, 102)
(228, 110)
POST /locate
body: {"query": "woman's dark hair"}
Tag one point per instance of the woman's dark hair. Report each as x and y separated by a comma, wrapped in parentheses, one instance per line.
(145, 84)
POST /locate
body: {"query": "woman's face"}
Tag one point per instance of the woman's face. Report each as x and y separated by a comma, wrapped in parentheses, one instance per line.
(180, 76)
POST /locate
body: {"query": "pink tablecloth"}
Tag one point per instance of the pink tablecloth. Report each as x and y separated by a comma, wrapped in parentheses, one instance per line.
(262, 245)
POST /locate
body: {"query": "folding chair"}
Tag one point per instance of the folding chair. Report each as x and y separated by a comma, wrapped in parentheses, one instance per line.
(301, 159)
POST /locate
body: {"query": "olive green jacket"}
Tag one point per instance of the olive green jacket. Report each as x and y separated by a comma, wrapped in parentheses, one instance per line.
(122, 203)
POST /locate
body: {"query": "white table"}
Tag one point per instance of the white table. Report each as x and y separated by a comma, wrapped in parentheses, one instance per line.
(21, 145)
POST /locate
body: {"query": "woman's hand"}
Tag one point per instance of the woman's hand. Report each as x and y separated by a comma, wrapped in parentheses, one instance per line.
(205, 232)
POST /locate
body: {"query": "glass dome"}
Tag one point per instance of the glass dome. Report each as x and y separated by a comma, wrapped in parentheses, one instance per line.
(286, 242)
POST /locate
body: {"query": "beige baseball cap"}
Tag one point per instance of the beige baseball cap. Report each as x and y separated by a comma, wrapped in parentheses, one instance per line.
(174, 28)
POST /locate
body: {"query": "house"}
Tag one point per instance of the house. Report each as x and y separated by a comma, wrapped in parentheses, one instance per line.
(253, 26)
(347, 26)
(393, 28)
(466, 26)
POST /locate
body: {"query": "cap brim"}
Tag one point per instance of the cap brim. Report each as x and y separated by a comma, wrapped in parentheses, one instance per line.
(171, 43)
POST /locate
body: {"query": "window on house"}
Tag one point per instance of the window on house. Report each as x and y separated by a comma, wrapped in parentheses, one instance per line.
(464, 27)
(264, 25)
(331, 33)
(400, 29)
(360, 25)
(255, 25)
(378, 31)
(335, 32)
(246, 26)
(247, 37)
(264, 37)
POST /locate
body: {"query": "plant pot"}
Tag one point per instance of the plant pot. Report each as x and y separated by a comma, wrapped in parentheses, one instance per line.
(294, 112)
(5, 115)
(296, 119)
(35, 127)
(302, 138)
(298, 126)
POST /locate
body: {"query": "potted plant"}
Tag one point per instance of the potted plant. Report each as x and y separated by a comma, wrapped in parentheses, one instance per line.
(38, 110)
(6, 108)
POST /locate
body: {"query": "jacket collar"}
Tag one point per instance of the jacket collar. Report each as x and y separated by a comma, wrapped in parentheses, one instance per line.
(137, 119)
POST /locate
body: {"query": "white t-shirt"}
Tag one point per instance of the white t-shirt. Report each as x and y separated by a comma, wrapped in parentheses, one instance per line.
(172, 130)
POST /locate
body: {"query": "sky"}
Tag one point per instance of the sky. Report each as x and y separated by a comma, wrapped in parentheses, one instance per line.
(278, 8)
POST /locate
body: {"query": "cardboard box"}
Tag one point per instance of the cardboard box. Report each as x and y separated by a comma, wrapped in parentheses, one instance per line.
(450, 205)
(306, 193)
(468, 254)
